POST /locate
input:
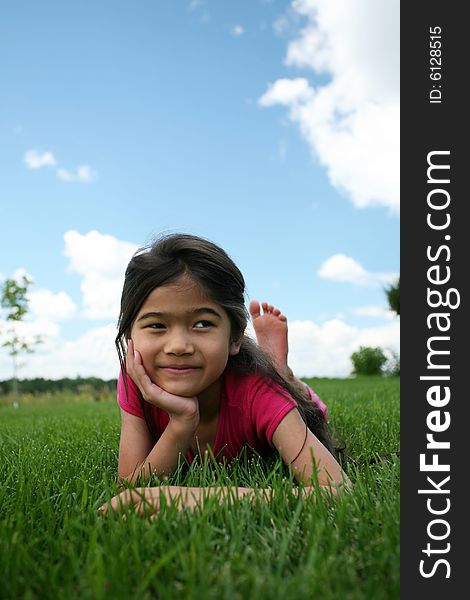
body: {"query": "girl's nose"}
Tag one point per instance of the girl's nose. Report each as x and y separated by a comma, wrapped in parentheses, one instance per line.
(178, 343)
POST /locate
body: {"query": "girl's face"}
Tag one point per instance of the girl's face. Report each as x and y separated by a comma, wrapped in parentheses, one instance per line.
(183, 338)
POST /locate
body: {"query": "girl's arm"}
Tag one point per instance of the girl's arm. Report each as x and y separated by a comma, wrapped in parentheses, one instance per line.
(310, 460)
(288, 439)
(139, 456)
(148, 500)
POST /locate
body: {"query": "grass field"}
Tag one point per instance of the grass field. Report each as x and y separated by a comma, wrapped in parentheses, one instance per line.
(58, 463)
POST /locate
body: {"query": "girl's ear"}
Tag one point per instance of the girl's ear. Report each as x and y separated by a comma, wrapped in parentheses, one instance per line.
(234, 347)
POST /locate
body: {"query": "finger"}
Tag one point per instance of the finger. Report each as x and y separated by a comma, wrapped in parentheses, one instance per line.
(104, 509)
(147, 507)
(138, 364)
(147, 387)
(137, 358)
(130, 355)
(121, 501)
(124, 499)
(136, 369)
(133, 356)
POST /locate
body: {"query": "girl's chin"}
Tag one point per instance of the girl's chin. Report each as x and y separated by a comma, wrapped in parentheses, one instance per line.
(179, 390)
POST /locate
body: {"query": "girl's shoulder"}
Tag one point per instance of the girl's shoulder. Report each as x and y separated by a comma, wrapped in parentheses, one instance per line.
(251, 386)
(262, 404)
(242, 383)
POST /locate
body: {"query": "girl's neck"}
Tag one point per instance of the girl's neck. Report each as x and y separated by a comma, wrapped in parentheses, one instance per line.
(209, 401)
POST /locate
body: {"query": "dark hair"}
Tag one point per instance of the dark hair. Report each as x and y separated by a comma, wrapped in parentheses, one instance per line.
(174, 255)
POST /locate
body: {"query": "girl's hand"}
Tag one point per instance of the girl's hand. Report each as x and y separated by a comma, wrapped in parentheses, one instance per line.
(148, 501)
(179, 408)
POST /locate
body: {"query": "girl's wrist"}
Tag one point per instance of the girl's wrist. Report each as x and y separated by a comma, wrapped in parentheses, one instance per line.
(186, 424)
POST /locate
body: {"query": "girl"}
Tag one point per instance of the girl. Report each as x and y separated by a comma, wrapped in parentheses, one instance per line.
(192, 380)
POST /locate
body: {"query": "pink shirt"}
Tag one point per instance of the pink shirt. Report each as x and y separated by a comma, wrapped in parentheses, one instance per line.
(249, 413)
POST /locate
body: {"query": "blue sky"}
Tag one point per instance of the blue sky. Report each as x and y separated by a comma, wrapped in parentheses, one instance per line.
(270, 127)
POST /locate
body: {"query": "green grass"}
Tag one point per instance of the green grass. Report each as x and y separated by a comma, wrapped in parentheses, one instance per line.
(58, 463)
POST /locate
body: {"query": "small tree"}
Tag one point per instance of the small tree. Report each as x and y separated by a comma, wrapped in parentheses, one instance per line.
(368, 361)
(14, 300)
(393, 296)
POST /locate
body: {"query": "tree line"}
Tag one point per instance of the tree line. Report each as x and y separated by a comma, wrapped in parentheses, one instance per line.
(39, 385)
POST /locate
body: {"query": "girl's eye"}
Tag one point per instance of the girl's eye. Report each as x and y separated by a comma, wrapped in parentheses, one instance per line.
(156, 326)
(202, 324)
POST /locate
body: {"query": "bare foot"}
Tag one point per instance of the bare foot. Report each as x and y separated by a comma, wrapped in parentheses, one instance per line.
(271, 333)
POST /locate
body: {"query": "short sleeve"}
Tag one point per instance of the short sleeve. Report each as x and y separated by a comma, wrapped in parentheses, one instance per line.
(269, 405)
(130, 400)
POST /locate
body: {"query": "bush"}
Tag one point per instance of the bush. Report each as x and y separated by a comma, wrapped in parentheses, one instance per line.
(392, 366)
(368, 361)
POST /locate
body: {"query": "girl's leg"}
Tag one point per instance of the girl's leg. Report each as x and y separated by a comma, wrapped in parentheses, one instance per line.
(271, 333)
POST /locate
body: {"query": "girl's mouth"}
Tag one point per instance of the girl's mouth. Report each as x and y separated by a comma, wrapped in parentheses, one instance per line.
(180, 370)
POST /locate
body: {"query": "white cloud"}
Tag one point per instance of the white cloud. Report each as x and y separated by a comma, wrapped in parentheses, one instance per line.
(325, 350)
(321, 350)
(238, 30)
(44, 304)
(352, 122)
(83, 174)
(35, 160)
(314, 350)
(91, 355)
(41, 321)
(345, 269)
(94, 256)
(101, 260)
(287, 92)
(374, 311)
(28, 331)
(55, 357)
(20, 273)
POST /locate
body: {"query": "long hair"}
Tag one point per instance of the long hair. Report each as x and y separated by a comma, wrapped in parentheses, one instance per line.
(174, 255)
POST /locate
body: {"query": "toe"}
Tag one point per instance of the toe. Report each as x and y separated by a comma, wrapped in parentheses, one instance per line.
(254, 309)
